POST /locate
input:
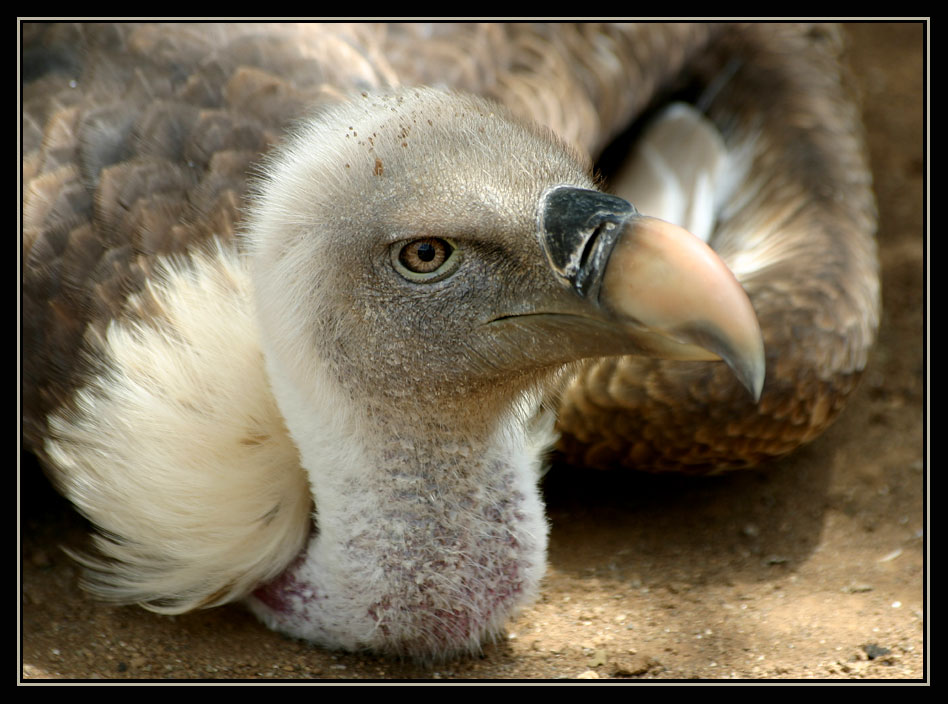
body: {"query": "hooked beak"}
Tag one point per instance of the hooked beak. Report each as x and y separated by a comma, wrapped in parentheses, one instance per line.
(669, 292)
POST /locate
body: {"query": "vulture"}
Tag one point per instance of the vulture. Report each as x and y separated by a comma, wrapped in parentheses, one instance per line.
(306, 309)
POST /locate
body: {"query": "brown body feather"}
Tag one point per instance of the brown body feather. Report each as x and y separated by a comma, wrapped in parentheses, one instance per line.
(139, 141)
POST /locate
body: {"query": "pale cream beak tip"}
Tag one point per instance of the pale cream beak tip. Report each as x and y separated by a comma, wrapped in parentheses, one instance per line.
(681, 300)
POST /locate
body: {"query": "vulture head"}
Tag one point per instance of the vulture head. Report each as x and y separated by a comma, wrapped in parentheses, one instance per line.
(426, 269)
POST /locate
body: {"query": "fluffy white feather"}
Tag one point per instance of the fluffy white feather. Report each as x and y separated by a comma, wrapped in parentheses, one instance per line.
(176, 450)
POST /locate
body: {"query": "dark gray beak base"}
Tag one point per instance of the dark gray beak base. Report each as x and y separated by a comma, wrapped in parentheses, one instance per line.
(580, 227)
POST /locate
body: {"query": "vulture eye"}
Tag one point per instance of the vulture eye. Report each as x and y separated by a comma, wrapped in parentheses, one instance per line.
(426, 260)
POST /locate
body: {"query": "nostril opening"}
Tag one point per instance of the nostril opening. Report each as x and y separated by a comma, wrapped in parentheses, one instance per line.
(590, 246)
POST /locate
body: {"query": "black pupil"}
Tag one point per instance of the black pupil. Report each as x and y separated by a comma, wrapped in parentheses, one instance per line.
(426, 251)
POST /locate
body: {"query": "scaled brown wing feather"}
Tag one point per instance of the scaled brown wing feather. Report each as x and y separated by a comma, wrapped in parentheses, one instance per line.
(138, 141)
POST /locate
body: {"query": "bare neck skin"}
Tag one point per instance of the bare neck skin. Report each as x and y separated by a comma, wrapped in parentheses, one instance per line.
(430, 529)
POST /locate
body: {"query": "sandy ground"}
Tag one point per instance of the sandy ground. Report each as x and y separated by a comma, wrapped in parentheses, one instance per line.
(812, 567)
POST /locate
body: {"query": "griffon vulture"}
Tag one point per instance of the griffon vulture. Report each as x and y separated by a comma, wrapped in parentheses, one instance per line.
(302, 304)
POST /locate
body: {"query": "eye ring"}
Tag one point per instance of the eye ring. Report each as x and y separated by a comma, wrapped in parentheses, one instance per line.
(426, 259)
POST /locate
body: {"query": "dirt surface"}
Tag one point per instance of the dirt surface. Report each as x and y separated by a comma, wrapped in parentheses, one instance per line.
(812, 567)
